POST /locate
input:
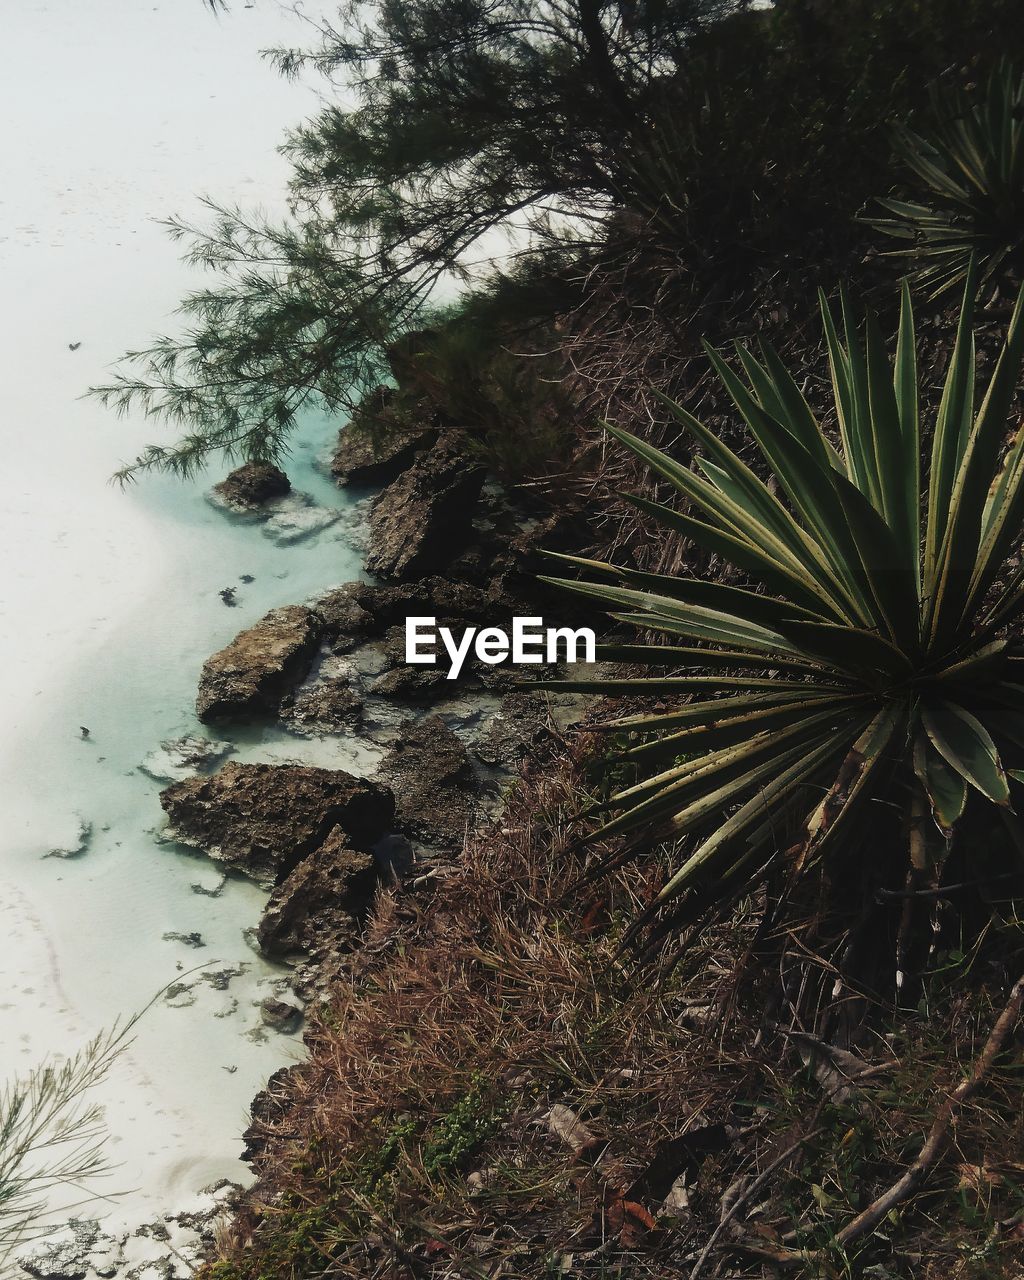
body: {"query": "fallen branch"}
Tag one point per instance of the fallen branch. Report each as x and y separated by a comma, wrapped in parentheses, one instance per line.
(935, 1143)
(933, 1147)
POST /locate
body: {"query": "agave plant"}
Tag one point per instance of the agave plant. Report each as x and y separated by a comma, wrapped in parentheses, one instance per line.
(969, 166)
(873, 654)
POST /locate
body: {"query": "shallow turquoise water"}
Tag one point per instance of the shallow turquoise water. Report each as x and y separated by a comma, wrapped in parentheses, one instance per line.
(109, 600)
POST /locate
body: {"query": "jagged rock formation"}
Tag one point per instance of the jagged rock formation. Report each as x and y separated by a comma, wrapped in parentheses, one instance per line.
(421, 521)
(249, 487)
(263, 820)
(263, 663)
(361, 459)
(328, 890)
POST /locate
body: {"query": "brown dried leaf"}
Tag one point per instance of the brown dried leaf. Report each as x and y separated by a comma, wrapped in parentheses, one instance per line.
(564, 1123)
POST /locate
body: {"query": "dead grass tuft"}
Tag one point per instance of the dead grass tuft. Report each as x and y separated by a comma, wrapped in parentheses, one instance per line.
(493, 1094)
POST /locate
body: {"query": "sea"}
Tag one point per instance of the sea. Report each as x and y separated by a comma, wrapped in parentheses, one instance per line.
(117, 114)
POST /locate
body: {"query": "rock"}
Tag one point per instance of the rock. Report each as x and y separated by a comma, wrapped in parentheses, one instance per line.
(287, 516)
(360, 609)
(329, 702)
(326, 706)
(366, 457)
(369, 660)
(333, 884)
(434, 784)
(65, 1255)
(266, 1108)
(280, 1015)
(344, 613)
(424, 518)
(254, 672)
(79, 838)
(297, 521)
(249, 487)
(521, 722)
(414, 684)
(262, 820)
(394, 857)
(178, 757)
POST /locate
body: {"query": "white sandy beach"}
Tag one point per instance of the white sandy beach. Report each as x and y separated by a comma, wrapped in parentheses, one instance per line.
(116, 114)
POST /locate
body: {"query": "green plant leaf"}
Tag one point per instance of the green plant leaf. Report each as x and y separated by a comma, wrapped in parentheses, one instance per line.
(945, 787)
(964, 742)
(849, 787)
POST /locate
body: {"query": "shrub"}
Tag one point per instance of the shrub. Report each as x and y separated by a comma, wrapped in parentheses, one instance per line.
(474, 368)
(967, 167)
(879, 663)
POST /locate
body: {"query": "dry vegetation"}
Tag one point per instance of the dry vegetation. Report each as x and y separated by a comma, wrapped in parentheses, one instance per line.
(495, 1093)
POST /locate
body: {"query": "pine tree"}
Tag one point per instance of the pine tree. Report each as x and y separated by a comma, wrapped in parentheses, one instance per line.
(463, 133)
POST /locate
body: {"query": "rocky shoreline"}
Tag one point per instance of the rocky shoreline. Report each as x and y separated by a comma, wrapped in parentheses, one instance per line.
(442, 540)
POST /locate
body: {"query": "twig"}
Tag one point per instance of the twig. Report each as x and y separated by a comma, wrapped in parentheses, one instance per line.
(936, 1140)
(743, 1199)
(933, 1147)
(887, 895)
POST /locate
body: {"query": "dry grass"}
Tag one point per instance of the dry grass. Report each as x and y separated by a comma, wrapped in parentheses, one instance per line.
(492, 1094)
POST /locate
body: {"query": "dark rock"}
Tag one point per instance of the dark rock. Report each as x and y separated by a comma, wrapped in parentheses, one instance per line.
(362, 609)
(520, 724)
(189, 939)
(254, 672)
(434, 783)
(280, 1015)
(394, 856)
(250, 486)
(327, 706)
(262, 819)
(344, 611)
(330, 888)
(266, 1108)
(392, 645)
(377, 458)
(415, 684)
(423, 520)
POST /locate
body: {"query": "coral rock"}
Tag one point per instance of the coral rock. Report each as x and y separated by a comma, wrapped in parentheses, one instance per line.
(262, 819)
(421, 522)
(254, 672)
(251, 486)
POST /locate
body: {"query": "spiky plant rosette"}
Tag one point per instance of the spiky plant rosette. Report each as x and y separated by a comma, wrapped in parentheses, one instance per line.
(879, 659)
(968, 169)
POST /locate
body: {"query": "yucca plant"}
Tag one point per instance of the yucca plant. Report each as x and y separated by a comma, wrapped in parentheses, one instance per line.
(969, 167)
(873, 655)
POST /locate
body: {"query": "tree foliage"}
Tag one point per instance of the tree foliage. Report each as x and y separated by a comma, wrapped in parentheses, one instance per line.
(463, 133)
(53, 1136)
(462, 138)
